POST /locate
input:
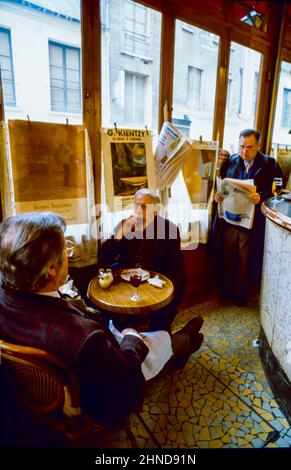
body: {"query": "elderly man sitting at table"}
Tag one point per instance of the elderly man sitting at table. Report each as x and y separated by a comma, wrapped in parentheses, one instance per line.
(148, 240)
(33, 265)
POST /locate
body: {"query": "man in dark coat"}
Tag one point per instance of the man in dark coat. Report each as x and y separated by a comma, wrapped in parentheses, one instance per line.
(148, 240)
(242, 248)
(33, 265)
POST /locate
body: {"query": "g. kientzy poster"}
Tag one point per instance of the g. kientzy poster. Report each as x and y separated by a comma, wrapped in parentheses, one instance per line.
(128, 165)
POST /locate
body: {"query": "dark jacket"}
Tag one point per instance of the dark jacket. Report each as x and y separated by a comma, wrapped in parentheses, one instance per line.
(263, 171)
(110, 375)
(157, 249)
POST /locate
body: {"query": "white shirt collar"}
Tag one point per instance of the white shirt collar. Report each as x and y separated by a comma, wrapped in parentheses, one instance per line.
(248, 163)
(53, 293)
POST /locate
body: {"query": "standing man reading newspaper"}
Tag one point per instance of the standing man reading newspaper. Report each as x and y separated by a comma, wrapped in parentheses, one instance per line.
(242, 248)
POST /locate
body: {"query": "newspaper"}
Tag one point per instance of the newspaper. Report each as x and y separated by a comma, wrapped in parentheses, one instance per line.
(236, 207)
(169, 155)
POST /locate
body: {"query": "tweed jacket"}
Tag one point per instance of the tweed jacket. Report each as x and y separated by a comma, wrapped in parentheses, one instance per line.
(110, 374)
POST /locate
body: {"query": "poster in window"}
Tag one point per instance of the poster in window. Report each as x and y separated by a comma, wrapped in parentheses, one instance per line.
(49, 169)
(284, 159)
(199, 170)
(128, 165)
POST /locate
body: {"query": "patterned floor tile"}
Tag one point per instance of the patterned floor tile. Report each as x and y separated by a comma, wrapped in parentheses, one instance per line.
(221, 398)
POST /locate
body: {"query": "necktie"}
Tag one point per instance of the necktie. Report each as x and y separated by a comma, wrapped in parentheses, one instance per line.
(247, 167)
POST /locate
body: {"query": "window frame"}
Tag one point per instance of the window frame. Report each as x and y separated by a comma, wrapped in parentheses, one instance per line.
(197, 75)
(286, 112)
(12, 80)
(134, 76)
(133, 36)
(64, 48)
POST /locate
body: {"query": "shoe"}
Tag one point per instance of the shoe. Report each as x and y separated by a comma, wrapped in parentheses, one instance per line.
(180, 360)
(193, 326)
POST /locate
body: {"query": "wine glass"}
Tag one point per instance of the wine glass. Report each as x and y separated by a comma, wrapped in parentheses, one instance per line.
(277, 187)
(135, 281)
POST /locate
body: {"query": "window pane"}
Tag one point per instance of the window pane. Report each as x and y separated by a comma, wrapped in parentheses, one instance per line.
(140, 13)
(4, 43)
(286, 112)
(128, 115)
(73, 76)
(6, 64)
(68, 59)
(242, 93)
(195, 72)
(45, 44)
(282, 124)
(134, 30)
(72, 59)
(58, 99)
(195, 75)
(128, 6)
(139, 98)
(56, 55)
(57, 72)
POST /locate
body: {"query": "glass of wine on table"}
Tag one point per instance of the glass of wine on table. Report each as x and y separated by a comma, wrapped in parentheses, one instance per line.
(135, 281)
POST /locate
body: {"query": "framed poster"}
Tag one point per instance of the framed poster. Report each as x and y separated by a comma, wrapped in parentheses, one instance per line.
(284, 159)
(199, 170)
(128, 165)
(49, 169)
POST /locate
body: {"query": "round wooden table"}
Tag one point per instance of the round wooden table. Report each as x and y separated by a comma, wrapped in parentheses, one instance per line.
(117, 298)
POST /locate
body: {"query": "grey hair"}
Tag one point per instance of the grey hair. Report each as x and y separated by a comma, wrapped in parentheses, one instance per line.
(29, 244)
(149, 193)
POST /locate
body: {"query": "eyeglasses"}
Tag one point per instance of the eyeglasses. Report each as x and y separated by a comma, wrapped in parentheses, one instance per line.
(70, 248)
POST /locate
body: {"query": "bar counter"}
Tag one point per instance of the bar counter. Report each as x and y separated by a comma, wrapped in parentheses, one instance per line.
(275, 304)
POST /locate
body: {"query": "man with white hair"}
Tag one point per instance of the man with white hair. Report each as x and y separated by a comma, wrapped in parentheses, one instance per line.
(33, 266)
(152, 242)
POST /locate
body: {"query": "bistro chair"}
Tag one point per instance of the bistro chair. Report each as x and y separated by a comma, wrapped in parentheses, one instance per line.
(45, 385)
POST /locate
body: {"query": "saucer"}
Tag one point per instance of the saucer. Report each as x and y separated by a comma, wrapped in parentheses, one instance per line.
(125, 274)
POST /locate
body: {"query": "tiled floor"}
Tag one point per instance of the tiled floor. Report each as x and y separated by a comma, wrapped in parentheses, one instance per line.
(221, 398)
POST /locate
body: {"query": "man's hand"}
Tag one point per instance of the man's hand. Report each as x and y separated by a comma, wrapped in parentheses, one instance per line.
(255, 198)
(218, 197)
(127, 227)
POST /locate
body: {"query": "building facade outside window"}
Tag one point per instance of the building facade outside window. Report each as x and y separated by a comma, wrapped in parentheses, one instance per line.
(35, 81)
(6, 64)
(65, 77)
(255, 92)
(195, 75)
(242, 92)
(134, 99)
(286, 111)
(282, 123)
(131, 38)
(241, 83)
(136, 39)
(194, 87)
(229, 101)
